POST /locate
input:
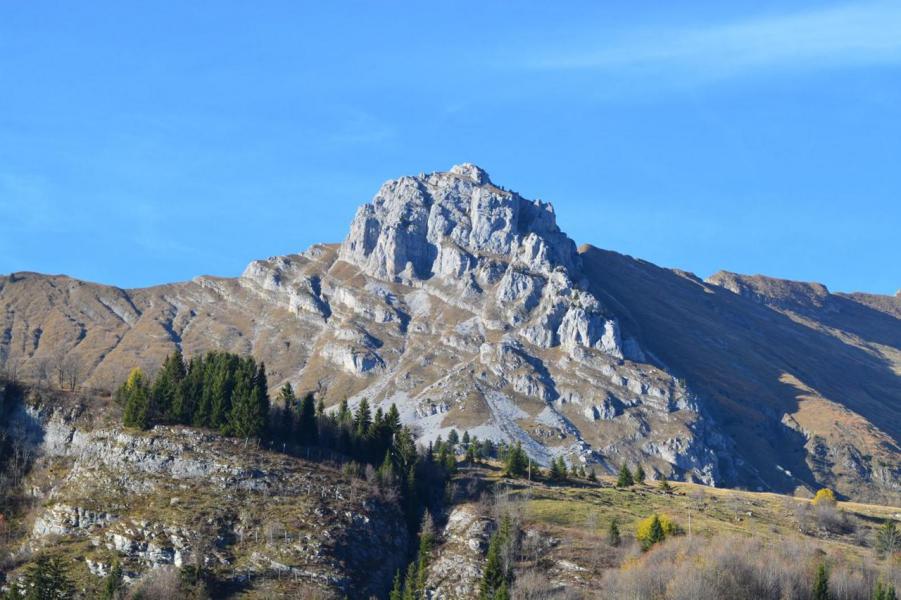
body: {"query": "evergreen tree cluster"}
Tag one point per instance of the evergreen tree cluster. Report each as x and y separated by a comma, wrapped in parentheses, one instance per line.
(558, 471)
(229, 393)
(413, 584)
(377, 439)
(218, 390)
(45, 579)
(626, 478)
(516, 462)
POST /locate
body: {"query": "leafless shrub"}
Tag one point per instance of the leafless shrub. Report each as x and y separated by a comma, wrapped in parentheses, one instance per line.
(353, 469)
(159, 584)
(534, 584)
(831, 519)
(736, 568)
(822, 518)
(846, 583)
(67, 372)
(274, 531)
(698, 498)
(42, 371)
(9, 370)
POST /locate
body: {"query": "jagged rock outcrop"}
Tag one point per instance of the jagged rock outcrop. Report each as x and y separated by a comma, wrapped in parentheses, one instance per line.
(458, 230)
(455, 568)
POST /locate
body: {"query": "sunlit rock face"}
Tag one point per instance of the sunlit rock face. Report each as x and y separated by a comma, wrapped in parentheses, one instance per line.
(457, 229)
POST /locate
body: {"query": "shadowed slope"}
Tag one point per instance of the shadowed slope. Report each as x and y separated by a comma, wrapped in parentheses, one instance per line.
(799, 396)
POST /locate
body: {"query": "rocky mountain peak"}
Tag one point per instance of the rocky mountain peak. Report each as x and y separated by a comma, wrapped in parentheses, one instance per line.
(454, 224)
(471, 171)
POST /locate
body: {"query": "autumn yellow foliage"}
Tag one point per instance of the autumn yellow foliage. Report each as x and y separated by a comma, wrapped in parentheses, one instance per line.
(643, 530)
(135, 378)
(824, 496)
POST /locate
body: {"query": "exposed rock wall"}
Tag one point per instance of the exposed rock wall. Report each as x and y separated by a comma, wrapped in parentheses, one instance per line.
(176, 496)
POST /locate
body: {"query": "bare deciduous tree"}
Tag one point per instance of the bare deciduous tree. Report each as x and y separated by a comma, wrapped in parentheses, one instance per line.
(42, 371)
(67, 372)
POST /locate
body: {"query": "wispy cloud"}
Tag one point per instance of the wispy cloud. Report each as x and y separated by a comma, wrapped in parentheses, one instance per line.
(840, 36)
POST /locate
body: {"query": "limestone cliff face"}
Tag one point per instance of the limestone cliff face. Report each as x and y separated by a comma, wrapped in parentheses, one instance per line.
(464, 304)
(458, 231)
(258, 520)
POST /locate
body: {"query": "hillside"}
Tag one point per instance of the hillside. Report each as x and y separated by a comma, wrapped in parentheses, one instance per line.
(465, 305)
(172, 501)
(729, 542)
(805, 380)
(157, 503)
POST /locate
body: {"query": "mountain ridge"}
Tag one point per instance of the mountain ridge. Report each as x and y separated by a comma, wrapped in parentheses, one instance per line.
(466, 305)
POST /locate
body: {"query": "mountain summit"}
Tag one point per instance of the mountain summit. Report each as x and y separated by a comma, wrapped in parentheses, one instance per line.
(465, 305)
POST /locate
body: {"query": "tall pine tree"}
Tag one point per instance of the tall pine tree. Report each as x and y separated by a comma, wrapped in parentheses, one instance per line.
(137, 401)
(307, 430)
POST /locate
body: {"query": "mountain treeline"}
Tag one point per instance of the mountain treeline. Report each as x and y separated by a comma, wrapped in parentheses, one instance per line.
(228, 393)
(218, 390)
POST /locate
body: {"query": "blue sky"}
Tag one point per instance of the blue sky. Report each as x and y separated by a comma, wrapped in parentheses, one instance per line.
(142, 143)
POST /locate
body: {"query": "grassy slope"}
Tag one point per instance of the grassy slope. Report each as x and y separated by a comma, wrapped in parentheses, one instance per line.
(576, 517)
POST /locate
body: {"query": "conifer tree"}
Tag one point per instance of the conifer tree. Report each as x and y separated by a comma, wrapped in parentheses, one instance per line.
(392, 419)
(447, 459)
(14, 593)
(250, 403)
(286, 396)
(884, 591)
(410, 583)
(471, 458)
(426, 539)
(625, 477)
(665, 487)
(396, 588)
(503, 593)
(888, 539)
(166, 397)
(137, 401)
(344, 415)
(221, 388)
(362, 419)
(592, 476)
(820, 584)
(613, 535)
(386, 470)
(639, 474)
(495, 578)
(307, 430)
(656, 533)
(113, 582)
(47, 579)
(517, 461)
(558, 469)
(487, 449)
